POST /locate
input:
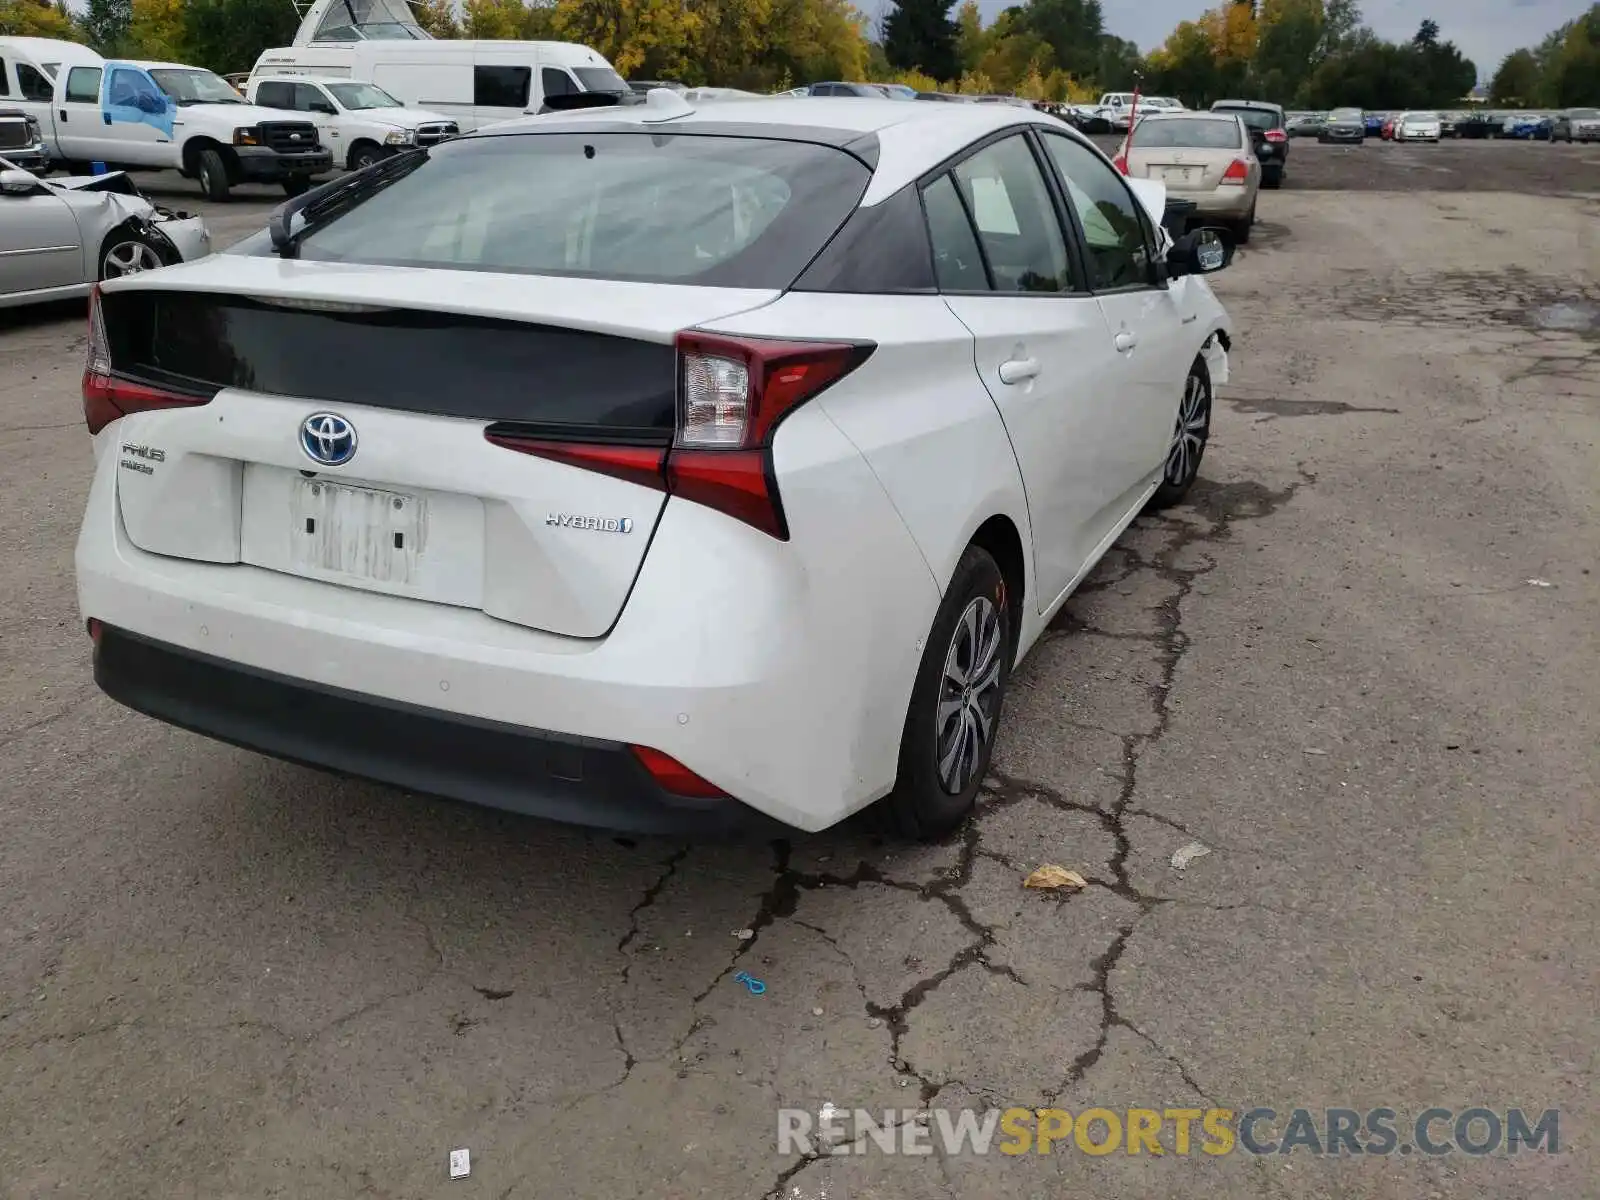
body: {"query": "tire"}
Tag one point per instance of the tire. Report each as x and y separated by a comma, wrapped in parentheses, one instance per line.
(1241, 228)
(127, 253)
(1272, 178)
(973, 627)
(296, 185)
(212, 172)
(364, 155)
(1191, 432)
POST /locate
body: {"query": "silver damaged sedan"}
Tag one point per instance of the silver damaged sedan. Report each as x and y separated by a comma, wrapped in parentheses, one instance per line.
(58, 237)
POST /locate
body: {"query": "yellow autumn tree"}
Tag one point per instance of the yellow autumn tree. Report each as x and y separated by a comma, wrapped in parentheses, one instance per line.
(499, 20)
(29, 18)
(155, 30)
(653, 35)
(438, 17)
(1232, 31)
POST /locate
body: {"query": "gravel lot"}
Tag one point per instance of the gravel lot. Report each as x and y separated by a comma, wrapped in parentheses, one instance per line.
(222, 975)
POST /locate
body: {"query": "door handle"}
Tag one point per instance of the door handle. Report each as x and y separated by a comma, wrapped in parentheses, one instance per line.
(1018, 370)
(107, 117)
(1125, 341)
(63, 116)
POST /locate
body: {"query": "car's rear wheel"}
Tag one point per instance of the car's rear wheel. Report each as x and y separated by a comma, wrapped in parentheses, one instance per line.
(1272, 177)
(126, 253)
(955, 703)
(1190, 433)
(1241, 227)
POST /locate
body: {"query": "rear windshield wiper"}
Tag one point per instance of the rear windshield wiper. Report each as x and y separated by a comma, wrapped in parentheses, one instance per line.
(333, 199)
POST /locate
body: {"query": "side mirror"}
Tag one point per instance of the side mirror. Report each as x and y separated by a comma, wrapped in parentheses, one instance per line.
(149, 103)
(323, 107)
(1201, 252)
(17, 183)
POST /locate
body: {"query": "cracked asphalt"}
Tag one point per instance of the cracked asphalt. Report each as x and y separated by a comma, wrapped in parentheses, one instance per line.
(1359, 667)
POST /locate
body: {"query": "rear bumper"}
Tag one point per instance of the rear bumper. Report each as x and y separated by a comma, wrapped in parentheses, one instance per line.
(1233, 202)
(581, 780)
(765, 667)
(261, 164)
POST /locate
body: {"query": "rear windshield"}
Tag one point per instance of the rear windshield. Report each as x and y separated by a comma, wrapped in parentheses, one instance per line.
(1256, 118)
(1345, 114)
(655, 207)
(1197, 132)
(1583, 114)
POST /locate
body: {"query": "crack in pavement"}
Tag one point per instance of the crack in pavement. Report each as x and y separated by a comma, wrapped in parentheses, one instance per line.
(1219, 506)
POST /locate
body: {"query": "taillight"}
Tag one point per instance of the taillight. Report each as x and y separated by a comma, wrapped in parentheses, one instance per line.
(1276, 135)
(1238, 172)
(732, 394)
(107, 397)
(672, 776)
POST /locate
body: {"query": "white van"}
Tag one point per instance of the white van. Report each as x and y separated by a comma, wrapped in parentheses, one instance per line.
(28, 70)
(473, 82)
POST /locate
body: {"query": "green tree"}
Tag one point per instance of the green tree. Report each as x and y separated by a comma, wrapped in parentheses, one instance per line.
(1517, 79)
(1291, 32)
(229, 35)
(105, 25)
(971, 39)
(1427, 35)
(1073, 29)
(920, 34)
(156, 31)
(438, 17)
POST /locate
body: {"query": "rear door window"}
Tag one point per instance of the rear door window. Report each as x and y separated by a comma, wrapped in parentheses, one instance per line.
(718, 211)
(1120, 251)
(83, 85)
(501, 87)
(957, 259)
(1010, 204)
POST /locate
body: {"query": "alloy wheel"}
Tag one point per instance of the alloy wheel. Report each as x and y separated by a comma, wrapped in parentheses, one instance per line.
(1190, 433)
(129, 258)
(969, 694)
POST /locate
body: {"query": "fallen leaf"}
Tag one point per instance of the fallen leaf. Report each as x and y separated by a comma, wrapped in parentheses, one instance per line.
(1050, 876)
(1184, 855)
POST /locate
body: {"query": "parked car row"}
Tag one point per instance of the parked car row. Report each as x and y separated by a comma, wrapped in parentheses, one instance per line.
(1355, 125)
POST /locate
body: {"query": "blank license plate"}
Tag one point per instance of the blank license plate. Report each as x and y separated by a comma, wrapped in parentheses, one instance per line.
(357, 531)
(1181, 175)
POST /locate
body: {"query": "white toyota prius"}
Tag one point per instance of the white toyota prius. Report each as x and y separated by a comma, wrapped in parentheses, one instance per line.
(654, 467)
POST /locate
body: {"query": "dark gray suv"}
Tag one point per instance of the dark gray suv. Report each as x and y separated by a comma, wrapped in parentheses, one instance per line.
(1269, 135)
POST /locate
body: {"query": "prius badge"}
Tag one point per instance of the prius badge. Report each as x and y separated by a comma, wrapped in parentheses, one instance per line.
(594, 524)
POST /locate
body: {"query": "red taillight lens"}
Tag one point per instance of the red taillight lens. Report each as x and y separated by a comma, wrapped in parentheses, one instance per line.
(674, 777)
(1276, 135)
(106, 397)
(637, 464)
(732, 393)
(1238, 172)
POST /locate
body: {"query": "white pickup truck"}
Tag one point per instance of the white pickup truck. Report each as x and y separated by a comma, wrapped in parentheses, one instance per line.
(134, 115)
(359, 122)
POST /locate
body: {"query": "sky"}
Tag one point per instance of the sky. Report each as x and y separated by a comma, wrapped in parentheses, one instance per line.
(1485, 30)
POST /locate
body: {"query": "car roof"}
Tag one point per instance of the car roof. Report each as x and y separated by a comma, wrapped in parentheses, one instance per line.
(907, 140)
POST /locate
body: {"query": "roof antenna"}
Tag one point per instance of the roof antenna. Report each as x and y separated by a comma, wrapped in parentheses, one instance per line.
(664, 104)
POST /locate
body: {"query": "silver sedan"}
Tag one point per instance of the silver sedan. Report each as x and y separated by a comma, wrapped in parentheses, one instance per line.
(59, 237)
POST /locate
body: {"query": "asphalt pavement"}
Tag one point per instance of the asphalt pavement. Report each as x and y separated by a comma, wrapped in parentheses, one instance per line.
(1357, 672)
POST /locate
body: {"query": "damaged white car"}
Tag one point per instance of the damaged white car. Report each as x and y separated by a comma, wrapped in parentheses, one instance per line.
(58, 237)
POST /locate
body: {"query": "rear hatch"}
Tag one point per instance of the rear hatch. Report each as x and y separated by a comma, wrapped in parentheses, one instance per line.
(426, 505)
(384, 395)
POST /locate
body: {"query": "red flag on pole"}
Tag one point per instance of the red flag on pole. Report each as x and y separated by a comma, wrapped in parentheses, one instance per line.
(1121, 160)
